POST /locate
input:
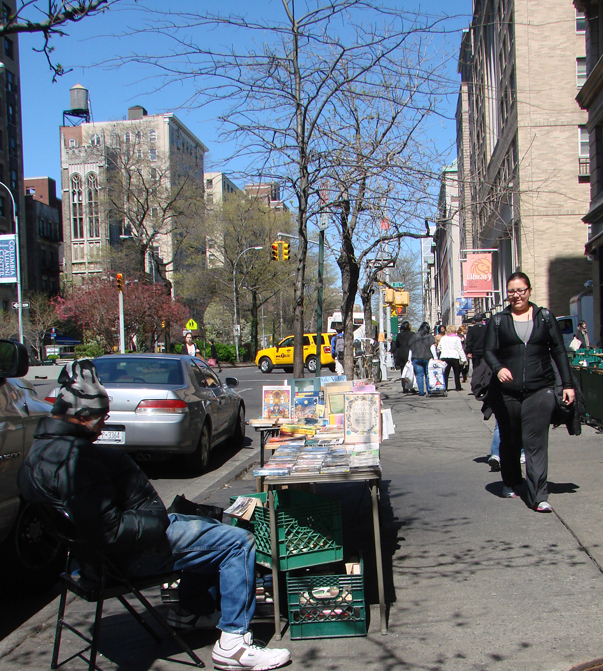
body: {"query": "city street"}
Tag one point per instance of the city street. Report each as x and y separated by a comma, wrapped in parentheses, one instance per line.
(474, 581)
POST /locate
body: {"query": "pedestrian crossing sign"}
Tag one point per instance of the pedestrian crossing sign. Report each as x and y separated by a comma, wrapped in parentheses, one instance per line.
(191, 325)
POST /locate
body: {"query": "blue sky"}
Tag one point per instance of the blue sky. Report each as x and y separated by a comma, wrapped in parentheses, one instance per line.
(113, 91)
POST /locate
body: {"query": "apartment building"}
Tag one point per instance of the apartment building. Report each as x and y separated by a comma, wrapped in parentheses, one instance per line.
(137, 181)
(590, 98)
(44, 235)
(523, 183)
(447, 279)
(218, 186)
(11, 151)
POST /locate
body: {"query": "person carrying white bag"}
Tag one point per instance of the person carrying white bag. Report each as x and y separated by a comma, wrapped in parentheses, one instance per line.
(422, 348)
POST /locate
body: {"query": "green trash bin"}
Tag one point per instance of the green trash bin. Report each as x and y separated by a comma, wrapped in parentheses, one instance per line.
(591, 381)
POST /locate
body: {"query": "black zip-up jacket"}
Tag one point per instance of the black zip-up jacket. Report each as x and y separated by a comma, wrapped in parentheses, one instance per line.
(529, 363)
(474, 342)
(108, 497)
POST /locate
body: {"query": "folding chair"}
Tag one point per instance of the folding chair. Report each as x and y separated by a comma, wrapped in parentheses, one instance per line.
(104, 581)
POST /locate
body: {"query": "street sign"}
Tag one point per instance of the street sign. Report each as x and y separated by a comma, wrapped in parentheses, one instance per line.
(20, 305)
(398, 285)
(236, 330)
(191, 325)
(8, 259)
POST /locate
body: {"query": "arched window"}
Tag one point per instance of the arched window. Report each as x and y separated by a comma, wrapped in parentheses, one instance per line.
(93, 206)
(95, 140)
(152, 136)
(77, 213)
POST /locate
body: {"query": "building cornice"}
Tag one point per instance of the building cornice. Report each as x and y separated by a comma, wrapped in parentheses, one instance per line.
(591, 87)
(595, 212)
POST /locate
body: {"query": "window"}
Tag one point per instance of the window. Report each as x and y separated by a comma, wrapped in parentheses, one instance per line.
(93, 206)
(580, 71)
(7, 13)
(10, 113)
(154, 212)
(139, 153)
(152, 154)
(95, 140)
(583, 148)
(77, 214)
(8, 48)
(14, 182)
(580, 22)
(127, 137)
(12, 146)
(2, 206)
(72, 143)
(41, 228)
(138, 136)
(152, 136)
(209, 183)
(153, 173)
(11, 82)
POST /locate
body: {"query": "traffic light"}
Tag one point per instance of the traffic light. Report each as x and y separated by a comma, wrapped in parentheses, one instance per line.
(275, 251)
(120, 282)
(285, 251)
(163, 323)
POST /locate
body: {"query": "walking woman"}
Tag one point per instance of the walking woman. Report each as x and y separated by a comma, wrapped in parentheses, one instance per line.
(401, 351)
(422, 348)
(451, 351)
(519, 344)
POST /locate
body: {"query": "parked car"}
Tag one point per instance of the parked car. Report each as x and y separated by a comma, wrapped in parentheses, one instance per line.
(31, 560)
(281, 356)
(168, 404)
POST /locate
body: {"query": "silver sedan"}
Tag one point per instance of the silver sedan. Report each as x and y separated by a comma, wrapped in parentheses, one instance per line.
(165, 404)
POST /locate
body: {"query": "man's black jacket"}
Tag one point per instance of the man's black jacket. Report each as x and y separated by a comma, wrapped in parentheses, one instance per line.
(474, 342)
(529, 363)
(108, 497)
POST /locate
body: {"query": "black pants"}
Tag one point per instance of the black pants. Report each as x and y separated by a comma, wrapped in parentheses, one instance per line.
(477, 359)
(523, 421)
(455, 364)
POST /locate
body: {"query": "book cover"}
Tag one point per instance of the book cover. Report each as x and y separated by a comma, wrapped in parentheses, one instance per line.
(362, 418)
(333, 392)
(305, 405)
(276, 402)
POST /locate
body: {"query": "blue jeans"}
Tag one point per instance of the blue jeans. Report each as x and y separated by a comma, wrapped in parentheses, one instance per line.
(420, 368)
(495, 445)
(199, 545)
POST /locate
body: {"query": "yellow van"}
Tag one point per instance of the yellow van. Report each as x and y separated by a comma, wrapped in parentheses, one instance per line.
(281, 356)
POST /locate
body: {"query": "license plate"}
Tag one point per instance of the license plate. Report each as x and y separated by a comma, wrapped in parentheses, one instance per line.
(112, 438)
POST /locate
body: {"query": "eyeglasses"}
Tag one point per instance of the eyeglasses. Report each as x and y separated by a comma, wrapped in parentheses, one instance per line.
(517, 292)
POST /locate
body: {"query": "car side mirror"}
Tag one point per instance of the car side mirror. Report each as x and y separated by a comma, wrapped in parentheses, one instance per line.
(231, 382)
(14, 359)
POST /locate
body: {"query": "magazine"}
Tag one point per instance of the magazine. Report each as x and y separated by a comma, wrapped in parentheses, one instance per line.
(362, 418)
(243, 507)
(276, 402)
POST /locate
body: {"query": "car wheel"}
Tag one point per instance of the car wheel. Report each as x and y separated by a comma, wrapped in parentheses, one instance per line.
(199, 459)
(265, 365)
(238, 437)
(311, 364)
(31, 558)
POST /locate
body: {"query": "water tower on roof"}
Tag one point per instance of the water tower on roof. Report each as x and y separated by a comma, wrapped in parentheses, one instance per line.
(80, 107)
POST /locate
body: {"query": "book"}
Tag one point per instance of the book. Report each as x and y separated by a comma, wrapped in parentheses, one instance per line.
(243, 507)
(334, 400)
(276, 402)
(362, 418)
(305, 405)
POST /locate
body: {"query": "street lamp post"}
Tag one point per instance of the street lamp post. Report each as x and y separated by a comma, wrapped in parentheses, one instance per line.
(18, 262)
(237, 328)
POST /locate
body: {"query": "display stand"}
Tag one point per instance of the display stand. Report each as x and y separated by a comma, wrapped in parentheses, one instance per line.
(372, 477)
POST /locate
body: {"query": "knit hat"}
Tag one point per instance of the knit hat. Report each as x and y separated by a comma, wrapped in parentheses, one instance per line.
(82, 393)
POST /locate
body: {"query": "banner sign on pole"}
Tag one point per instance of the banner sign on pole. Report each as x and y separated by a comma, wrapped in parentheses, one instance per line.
(477, 275)
(8, 259)
(463, 305)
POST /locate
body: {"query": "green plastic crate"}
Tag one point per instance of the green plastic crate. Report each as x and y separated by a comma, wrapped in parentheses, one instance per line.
(315, 615)
(308, 526)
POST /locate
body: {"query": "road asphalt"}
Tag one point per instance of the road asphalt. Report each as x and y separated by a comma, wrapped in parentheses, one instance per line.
(473, 581)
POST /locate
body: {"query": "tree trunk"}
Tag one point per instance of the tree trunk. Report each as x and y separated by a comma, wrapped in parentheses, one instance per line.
(350, 274)
(254, 323)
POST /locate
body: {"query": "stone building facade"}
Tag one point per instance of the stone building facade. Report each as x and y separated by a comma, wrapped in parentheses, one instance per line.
(523, 189)
(117, 172)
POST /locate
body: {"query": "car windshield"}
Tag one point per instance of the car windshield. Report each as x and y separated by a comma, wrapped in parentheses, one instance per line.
(139, 370)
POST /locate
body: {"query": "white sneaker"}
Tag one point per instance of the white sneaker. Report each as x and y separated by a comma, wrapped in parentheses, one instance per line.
(494, 462)
(180, 619)
(508, 492)
(543, 507)
(246, 655)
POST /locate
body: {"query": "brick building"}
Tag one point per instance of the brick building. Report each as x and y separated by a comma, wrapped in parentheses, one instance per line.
(44, 235)
(523, 186)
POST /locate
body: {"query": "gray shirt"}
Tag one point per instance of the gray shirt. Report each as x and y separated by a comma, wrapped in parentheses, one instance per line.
(523, 329)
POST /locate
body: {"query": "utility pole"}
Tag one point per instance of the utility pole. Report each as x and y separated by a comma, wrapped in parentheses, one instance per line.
(120, 290)
(324, 221)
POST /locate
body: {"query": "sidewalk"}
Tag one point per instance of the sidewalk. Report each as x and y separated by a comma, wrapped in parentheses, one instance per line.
(475, 582)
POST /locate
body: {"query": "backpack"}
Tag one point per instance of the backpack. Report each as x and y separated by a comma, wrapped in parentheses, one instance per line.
(339, 346)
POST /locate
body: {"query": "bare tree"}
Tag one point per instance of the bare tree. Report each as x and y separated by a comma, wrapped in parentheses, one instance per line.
(275, 99)
(41, 317)
(49, 17)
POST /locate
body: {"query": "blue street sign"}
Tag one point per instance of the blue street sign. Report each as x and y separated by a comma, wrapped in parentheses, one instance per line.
(8, 259)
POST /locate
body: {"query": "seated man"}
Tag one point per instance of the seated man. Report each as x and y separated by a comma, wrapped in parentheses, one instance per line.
(115, 508)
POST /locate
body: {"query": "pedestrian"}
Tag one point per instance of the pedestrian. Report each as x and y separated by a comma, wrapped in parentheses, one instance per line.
(337, 349)
(422, 348)
(494, 458)
(401, 352)
(465, 366)
(582, 335)
(440, 334)
(450, 349)
(213, 353)
(115, 508)
(190, 345)
(474, 342)
(520, 342)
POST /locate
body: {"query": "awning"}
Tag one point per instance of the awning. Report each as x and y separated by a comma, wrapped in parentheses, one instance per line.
(595, 242)
(66, 340)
